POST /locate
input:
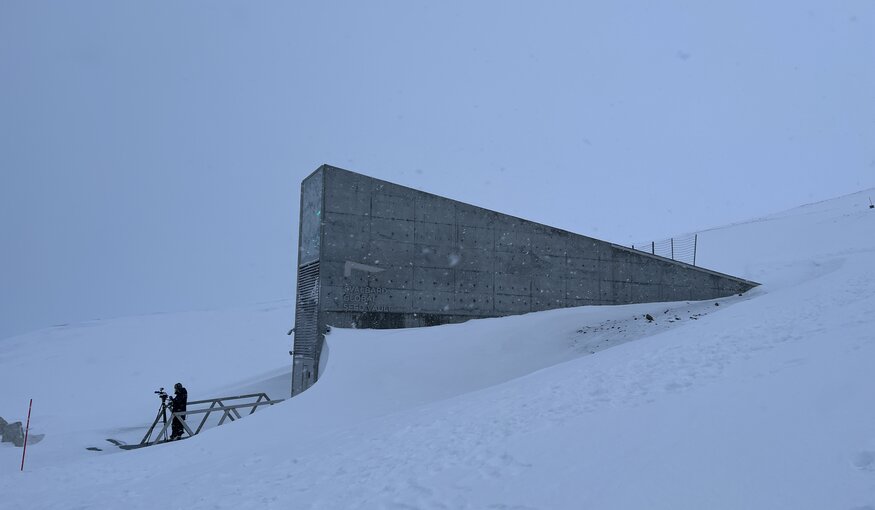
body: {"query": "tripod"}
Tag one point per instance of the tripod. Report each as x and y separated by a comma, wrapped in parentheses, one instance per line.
(162, 415)
(162, 411)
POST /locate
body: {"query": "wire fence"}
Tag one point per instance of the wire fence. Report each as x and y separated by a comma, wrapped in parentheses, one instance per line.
(682, 249)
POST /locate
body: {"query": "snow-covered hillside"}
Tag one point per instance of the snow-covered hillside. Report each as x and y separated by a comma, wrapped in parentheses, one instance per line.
(760, 401)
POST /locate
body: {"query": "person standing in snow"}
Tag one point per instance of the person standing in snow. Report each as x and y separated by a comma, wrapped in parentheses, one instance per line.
(179, 400)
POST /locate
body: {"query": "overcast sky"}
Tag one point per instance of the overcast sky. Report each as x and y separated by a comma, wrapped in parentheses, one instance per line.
(151, 153)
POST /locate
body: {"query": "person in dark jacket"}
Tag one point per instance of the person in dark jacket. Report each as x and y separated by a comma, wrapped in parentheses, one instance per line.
(179, 400)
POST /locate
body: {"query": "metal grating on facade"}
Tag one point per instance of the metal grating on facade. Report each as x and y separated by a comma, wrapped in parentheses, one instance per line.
(306, 325)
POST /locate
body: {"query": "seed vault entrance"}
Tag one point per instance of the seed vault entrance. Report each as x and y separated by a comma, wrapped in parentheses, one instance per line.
(373, 254)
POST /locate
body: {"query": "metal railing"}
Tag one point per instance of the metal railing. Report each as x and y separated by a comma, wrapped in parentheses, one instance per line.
(682, 249)
(216, 405)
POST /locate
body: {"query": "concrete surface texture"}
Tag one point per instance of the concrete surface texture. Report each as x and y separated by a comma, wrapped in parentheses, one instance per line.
(373, 254)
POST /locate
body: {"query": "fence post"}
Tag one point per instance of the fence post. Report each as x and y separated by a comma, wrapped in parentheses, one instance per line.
(653, 247)
(26, 430)
(672, 248)
(695, 246)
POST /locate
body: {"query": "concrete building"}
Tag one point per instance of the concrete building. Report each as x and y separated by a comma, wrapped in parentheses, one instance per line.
(373, 254)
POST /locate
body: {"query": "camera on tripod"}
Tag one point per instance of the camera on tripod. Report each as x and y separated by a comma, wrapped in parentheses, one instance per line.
(174, 406)
(163, 395)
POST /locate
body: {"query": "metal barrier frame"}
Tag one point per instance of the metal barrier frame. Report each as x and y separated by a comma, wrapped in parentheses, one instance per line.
(229, 412)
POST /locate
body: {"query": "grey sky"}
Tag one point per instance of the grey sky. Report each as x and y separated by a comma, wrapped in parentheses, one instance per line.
(151, 152)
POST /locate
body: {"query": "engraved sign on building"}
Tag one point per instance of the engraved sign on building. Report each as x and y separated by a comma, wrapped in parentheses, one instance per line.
(373, 254)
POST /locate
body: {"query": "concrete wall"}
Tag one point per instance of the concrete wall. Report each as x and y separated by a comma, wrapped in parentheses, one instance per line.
(391, 256)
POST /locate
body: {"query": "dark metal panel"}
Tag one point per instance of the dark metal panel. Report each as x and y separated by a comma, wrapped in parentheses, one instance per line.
(310, 231)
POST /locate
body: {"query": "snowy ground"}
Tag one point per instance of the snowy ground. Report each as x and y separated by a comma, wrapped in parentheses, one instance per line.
(761, 401)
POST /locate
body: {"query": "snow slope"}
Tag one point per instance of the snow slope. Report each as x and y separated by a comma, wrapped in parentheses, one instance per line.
(755, 401)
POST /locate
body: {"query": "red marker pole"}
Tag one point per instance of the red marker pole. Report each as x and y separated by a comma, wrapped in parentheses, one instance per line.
(26, 430)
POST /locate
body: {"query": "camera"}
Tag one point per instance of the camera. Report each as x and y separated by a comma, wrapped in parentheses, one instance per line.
(162, 394)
